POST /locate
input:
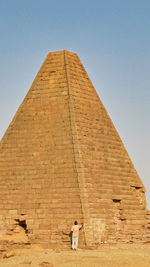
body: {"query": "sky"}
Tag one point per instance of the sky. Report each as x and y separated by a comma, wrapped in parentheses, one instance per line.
(112, 39)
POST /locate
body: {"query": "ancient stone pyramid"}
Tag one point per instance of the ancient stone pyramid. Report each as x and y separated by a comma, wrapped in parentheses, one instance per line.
(61, 159)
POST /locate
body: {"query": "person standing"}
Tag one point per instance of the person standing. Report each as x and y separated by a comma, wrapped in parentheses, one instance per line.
(75, 234)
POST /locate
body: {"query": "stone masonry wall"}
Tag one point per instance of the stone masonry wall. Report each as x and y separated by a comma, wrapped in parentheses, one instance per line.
(61, 160)
(38, 178)
(108, 176)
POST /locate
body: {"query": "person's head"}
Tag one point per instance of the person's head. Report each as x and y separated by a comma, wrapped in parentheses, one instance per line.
(75, 223)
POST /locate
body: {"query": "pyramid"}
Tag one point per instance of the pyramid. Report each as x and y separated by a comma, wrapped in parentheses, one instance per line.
(61, 160)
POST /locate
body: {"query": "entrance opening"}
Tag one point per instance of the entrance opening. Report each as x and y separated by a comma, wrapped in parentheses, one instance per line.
(22, 224)
(116, 200)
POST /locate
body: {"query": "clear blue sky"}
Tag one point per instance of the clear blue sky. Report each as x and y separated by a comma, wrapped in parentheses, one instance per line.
(112, 38)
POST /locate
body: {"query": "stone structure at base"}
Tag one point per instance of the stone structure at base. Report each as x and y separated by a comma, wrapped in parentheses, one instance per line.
(61, 159)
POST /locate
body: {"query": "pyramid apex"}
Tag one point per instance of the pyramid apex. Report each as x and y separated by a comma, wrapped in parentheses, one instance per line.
(61, 52)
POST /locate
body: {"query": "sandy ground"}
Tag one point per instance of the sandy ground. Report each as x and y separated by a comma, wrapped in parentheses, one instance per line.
(115, 256)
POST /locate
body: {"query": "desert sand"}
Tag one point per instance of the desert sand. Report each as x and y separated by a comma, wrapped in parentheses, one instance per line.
(106, 255)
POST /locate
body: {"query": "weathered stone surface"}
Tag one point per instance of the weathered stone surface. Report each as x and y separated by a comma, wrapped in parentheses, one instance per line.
(61, 159)
(9, 254)
(46, 264)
